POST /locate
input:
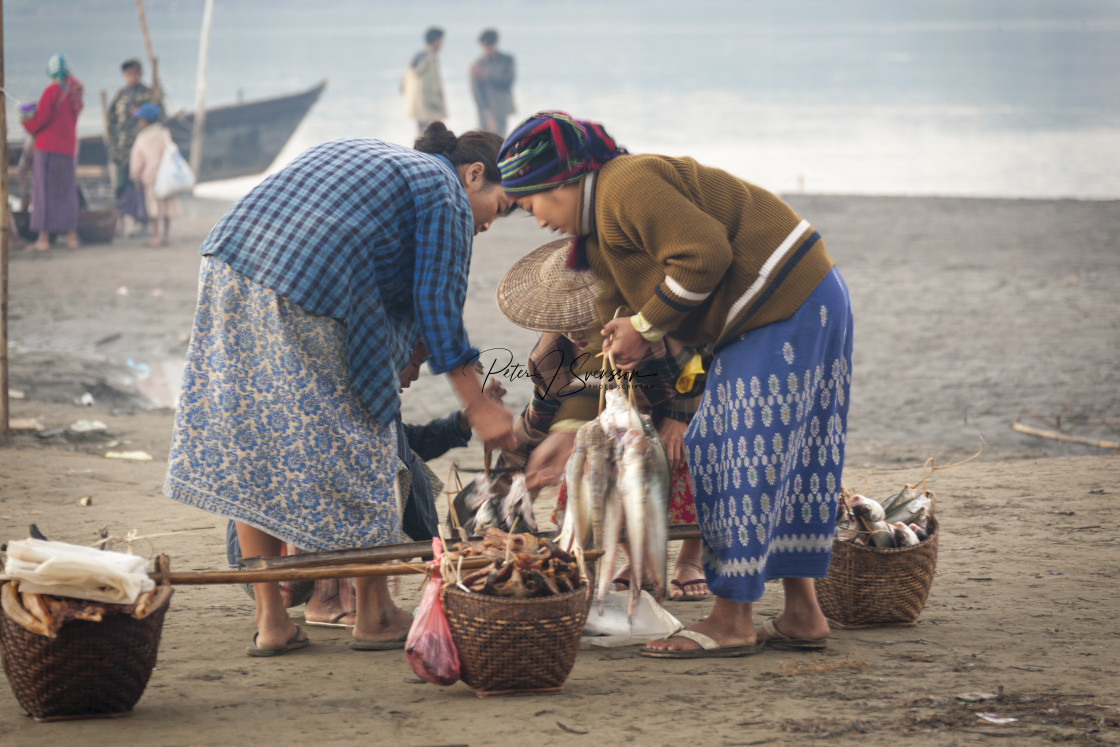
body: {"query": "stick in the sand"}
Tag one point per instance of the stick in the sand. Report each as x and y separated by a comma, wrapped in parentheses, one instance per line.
(1065, 437)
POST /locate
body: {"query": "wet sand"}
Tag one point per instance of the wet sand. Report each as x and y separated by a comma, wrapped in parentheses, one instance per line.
(970, 315)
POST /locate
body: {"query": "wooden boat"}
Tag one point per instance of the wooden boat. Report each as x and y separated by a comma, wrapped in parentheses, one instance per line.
(239, 140)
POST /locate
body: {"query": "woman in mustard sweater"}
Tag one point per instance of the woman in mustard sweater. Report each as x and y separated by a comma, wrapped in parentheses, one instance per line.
(713, 261)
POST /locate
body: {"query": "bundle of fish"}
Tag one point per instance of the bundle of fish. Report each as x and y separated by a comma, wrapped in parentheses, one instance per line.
(524, 565)
(511, 511)
(900, 520)
(618, 478)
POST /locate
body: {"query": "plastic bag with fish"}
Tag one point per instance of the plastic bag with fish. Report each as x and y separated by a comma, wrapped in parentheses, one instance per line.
(429, 647)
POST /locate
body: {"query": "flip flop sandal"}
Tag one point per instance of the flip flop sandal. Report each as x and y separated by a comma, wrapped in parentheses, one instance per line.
(709, 648)
(389, 645)
(625, 584)
(294, 643)
(685, 596)
(782, 642)
(334, 622)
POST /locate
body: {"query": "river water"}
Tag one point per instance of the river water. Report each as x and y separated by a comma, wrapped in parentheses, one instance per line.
(985, 98)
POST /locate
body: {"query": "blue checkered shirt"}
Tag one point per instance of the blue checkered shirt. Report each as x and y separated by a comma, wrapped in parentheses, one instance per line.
(370, 233)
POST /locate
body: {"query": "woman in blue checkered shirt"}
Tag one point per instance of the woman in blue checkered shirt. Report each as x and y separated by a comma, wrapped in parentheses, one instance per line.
(314, 289)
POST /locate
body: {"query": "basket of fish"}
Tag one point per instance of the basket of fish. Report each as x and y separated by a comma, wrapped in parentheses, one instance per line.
(69, 658)
(884, 556)
(516, 622)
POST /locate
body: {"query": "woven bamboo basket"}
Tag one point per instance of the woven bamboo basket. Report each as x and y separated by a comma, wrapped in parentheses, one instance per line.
(91, 670)
(509, 646)
(869, 587)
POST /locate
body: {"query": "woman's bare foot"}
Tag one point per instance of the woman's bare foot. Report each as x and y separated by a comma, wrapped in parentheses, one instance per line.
(276, 636)
(802, 618)
(331, 605)
(729, 624)
(688, 582)
(391, 624)
(623, 578)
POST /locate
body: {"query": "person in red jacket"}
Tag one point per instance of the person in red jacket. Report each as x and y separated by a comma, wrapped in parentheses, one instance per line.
(54, 125)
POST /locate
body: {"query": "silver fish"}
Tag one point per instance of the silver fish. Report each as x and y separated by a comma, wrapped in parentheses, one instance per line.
(618, 416)
(904, 536)
(518, 504)
(571, 533)
(864, 508)
(598, 446)
(914, 510)
(612, 525)
(882, 534)
(632, 476)
(658, 483)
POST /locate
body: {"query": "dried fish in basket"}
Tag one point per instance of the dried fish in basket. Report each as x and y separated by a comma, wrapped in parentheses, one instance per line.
(72, 659)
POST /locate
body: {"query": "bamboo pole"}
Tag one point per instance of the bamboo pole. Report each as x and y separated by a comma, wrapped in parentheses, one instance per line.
(397, 552)
(5, 228)
(191, 578)
(148, 43)
(105, 139)
(197, 131)
(1064, 437)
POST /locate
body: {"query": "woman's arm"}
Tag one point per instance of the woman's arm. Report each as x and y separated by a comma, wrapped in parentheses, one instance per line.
(44, 110)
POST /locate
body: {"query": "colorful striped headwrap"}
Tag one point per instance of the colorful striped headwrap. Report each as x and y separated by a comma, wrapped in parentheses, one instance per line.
(551, 148)
(56, 68)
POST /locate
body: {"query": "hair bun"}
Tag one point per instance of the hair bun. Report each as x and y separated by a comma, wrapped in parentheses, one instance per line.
(437, 140)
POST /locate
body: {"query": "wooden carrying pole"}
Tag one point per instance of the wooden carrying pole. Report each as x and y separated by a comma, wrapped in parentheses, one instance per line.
(200, 90)
(402, 551)
(151, 50)
(189, 578)
(4, 229)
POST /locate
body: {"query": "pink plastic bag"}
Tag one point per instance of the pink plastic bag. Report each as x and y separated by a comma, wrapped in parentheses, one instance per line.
(430, 650)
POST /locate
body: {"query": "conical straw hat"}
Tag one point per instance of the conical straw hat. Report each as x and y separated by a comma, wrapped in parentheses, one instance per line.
(541, 294)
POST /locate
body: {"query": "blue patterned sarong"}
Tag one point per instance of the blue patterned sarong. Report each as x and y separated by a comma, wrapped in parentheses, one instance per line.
(766, 448)
(270, 431)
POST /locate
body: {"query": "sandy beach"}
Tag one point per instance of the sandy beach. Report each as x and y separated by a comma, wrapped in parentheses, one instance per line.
(971, 315)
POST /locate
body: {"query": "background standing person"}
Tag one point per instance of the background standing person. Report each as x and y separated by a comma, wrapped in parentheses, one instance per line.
(314, 290)
(422, 86)
(123, 128)
(709, 259)
(54, 189)
(143, 167)
(492, 77)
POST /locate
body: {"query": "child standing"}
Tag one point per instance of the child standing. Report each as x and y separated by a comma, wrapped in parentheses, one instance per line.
(143, 166)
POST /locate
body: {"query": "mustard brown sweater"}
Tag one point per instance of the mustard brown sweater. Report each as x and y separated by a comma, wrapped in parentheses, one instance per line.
(700, 253)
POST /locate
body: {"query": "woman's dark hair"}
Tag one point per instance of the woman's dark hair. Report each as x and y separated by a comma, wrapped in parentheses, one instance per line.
(435, 33)
(475, 146)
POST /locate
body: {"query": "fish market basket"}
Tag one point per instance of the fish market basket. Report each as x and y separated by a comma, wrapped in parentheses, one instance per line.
(91, 670)
(869, 587)
(511, 645)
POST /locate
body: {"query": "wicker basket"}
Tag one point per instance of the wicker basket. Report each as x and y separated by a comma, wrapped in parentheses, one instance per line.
(868, 587)
(515, 645)
(91, 670)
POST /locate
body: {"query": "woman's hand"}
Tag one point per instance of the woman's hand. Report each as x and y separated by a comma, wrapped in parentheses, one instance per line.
(627, 346)
(492, 422)
(494, 391)
(672, 436)
(547, 462)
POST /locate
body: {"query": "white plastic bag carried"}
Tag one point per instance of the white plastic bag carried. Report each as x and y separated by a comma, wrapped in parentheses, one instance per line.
(174, 176)
(65, 570)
